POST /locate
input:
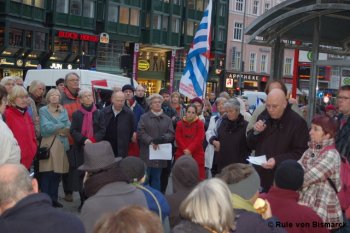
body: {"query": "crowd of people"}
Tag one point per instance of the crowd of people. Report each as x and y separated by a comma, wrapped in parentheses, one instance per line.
(106, 153)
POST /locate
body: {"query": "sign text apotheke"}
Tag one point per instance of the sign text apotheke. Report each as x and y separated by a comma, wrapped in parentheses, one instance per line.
(246, 77)
(76, 36)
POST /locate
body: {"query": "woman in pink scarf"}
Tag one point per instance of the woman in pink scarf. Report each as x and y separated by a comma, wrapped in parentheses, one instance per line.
(87, 127)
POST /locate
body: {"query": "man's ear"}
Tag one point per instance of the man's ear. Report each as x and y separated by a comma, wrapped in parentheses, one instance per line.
(35, 186)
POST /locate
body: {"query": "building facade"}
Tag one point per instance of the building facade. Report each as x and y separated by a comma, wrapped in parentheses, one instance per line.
(103, 34)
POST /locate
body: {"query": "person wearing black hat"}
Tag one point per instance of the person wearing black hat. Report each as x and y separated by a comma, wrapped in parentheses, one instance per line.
(113, 193)
(135, 170)
(283, 198)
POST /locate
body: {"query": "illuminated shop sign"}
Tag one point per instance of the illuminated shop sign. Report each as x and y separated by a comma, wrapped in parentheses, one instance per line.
(143, 65)
(247, 77)
(77, 36)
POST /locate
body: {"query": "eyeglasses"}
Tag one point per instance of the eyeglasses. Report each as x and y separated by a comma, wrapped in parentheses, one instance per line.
(74, 80)
(343, 98)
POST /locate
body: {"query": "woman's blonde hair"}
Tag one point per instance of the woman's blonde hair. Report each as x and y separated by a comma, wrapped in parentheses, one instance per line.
(50, 92)
(209, 205)
(17, 91)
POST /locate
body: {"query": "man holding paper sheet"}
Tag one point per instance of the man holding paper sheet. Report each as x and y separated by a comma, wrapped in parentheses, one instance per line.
(154, 128)
(279, 133)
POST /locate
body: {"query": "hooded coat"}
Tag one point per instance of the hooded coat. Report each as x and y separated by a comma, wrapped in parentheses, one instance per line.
(190, 135)
(185, 177)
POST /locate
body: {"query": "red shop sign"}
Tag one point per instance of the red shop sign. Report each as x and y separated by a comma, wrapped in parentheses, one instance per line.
(76, 36)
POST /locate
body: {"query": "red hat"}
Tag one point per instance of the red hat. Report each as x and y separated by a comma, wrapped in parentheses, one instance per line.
(197, 99)
(330, 107)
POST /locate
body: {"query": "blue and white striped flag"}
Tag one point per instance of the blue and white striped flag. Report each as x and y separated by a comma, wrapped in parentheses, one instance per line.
(194, 78)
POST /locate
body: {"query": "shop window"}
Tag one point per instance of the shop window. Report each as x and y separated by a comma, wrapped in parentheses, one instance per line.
(61, 44)
(238, 31)
(75, 7)
(199, 5)
(62, 6)
(190, 28)
(124, 15)
(15, 37)
(39, 40)
(89, 8)
(263, 63)
(113, 12)
(88, 47)
(288, 66)
(252, 62)
(2, 35)
(157, 19)
(135, 17)
(75, 46)
(176, 25)
(29, 36)
(39, 3)
(165, 23)
(191, 4)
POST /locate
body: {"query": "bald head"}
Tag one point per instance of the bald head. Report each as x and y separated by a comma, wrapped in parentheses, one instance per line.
(140, 91)
(118, 100)
(15, 183)
(276, 103)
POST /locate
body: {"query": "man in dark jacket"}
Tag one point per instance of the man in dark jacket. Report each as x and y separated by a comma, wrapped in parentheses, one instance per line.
(280, 134)
(120, 124)
(342, 139)
(140, 97)
(24, 210)
(283, 198)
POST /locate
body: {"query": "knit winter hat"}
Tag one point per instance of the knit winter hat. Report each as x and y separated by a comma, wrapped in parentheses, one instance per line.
(133, 168)
(289, 175)
(197, 99)
(248, 187)
(128, 87)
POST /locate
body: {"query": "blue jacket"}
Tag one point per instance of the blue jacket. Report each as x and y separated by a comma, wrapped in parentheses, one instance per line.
(152, 205)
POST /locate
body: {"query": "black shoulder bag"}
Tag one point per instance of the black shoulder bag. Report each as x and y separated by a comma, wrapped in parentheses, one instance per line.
(44, 152)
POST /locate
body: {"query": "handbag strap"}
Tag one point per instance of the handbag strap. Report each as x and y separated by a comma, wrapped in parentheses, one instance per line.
(329, 180)
(52, 142)
(153, 196)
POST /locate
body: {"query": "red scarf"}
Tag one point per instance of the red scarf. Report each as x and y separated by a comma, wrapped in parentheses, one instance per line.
(87, 129)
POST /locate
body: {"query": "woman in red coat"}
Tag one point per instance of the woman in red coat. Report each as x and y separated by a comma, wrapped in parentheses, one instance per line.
(189, 138)
(21, 124)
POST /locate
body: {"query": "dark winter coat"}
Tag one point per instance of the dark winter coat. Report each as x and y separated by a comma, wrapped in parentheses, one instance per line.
(186, 226)
(249, 222)
(342, 139)
(233, 143)
(185, 176)
(35, 214)
(284, 205)
(124, 130)
(284, 138)
(150, 128)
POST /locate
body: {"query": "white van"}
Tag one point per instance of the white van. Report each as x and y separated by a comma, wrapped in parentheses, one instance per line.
(253, 97)
(88, 78)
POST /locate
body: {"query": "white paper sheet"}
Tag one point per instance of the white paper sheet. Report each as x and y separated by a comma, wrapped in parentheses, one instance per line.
(164, 152)
(257, 160)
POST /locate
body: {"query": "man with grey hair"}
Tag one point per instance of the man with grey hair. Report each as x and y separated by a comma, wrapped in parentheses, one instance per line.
(24, 210)
(70, 101)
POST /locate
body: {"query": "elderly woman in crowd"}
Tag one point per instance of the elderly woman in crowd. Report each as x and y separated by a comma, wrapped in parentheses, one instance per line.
(36, 101)
(10, 151)
(211, 155)
(54, 125)
(8, 83)
(175, 102)
(20, 123)
(88, 126)
(321, 163)
(207, 209)
(154, 128)
(189, 138)
(231, 140)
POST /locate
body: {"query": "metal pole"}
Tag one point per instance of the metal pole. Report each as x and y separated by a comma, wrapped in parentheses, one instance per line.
(240, 79)
(295, 70)
(313, 72)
